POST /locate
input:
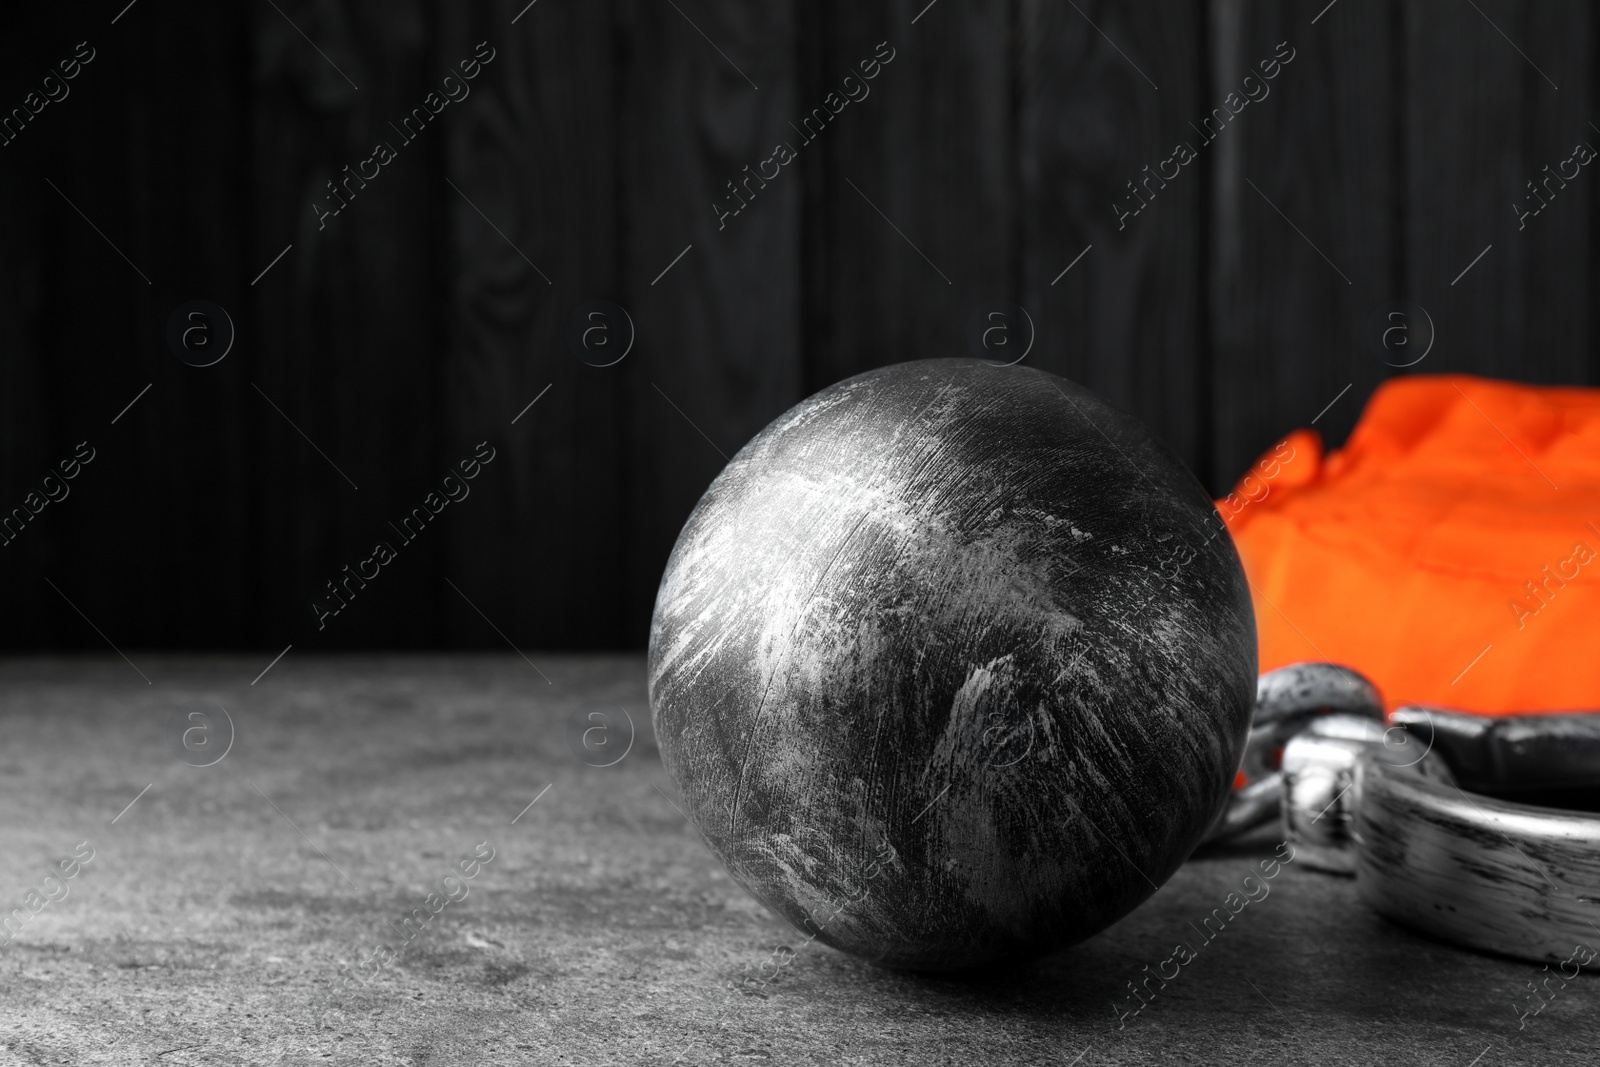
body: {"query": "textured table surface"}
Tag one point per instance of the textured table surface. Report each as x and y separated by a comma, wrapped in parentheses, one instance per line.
(212, 923)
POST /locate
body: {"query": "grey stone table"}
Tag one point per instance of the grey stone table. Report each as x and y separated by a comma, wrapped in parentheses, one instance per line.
(225, 913)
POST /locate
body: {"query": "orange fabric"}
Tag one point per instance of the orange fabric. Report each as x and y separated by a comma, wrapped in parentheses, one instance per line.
(1448, 551)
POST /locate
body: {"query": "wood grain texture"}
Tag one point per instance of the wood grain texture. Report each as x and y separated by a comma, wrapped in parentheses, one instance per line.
(912, 229)
(1481, 122)
(916, 651)
(104, 265)
(187, 226)
(534, 234)
(349, 324)
(1305, 249)
(1474, 870)
(719, 350)
(982, 160)
(35, 419)
(1090, 121)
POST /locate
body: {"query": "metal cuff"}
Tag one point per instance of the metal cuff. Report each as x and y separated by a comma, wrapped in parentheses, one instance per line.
(1476, 870)
(1483, 831)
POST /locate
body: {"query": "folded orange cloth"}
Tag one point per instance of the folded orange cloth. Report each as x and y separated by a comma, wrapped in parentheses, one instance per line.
(1448, 551)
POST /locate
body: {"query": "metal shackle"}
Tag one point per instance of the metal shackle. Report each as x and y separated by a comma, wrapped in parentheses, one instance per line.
(1289, 701)
(1482, 830)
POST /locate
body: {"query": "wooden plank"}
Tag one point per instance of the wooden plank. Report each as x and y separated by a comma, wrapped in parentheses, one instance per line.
(719, 349)
(912, 235)
(169, 537)
(136, 186)
(1305, 249)
(1484, 117)
(1106, 92)
(534, 229)
(347, 327)
(986, 158)
(31, 414)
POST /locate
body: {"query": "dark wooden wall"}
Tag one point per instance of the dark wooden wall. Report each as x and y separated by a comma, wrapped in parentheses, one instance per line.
(424, 318)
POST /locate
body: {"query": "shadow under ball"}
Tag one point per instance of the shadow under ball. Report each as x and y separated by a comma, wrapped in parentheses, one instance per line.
(952, 664)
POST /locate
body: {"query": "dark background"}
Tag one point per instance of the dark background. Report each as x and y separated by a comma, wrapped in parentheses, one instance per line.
(416, 324)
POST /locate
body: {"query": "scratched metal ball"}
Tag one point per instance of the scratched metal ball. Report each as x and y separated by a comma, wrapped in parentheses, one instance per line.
(953, 664)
